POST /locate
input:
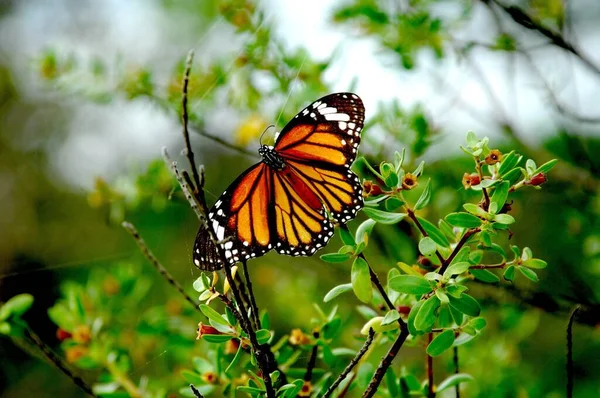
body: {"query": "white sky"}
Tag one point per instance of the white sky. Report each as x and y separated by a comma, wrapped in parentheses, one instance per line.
(102, 140)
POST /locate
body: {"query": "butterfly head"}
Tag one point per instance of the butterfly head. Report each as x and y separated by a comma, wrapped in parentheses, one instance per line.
(271, 157)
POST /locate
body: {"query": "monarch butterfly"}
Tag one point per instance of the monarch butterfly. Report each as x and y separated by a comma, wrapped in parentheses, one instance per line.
(288, 201)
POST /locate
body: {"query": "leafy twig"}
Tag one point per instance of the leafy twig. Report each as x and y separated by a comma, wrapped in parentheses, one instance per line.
(351, 365)
(154, 261)
(459, 245)
(56, 360)
(195, 391)
(413, 217)
(253, 306)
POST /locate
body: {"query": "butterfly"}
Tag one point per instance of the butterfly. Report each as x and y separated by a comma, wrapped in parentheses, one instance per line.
(290, 199)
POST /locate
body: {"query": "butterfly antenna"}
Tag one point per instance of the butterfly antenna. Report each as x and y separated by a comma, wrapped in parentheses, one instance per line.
(290, 93)
(263, 133)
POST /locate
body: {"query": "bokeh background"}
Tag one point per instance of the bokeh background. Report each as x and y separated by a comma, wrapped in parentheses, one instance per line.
(89, 93)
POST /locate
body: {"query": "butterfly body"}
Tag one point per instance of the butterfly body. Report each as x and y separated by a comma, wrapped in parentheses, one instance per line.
(290, 200)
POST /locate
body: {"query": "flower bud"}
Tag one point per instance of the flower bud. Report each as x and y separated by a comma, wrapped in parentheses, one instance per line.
(370, 189)
(297, 337)
(62, 334)
(206, 329)
(82, 334)
(493, 157)
(469, 180)
(538, 179)
(409, 181)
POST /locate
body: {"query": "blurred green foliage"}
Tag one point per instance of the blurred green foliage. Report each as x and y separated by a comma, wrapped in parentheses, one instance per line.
(124, 329)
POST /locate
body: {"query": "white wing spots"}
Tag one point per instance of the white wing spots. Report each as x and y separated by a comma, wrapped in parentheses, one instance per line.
(323, 105)
(339, 117)
(345, 96)
(304, 112)
(316, 104)
(352, 125)
(197, 262)
(327, 111)
(312, 114)
(342, 125)
(343, 142)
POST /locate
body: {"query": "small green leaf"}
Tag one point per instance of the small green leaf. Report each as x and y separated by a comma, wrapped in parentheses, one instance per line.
(478, 323)
(191, 377)
(335, 257)
(427, 246)
(465, 304)
(5, 328)
(361, 280)
(546, 167)
(399, 159)
(504, 219)
(446, 229)
(500, 195)
(346, 237)
(419, 169)
(390, 317)
(393, 204)
(363, 229)
(509, 273)
(199, 285)
(441, 343)
(463, 220)
(529, 273)
(213, 315)
(475, 210)
(456, 290)
(217, 338)
(509, 161)
(441, 294)
(453, 380)
(535, 263)
(383, 217)
(16, 306)
(410, 284)
(391, 382)
(389, 175)
(263, 336)
(513, 176)
(484, 275)
(377, 325)
(471, 139)
(530, 166)
(426, 316)
(456, 269)
(336, 291)
(368, 166)
(425, 197)
(411, 318)
(434, 233)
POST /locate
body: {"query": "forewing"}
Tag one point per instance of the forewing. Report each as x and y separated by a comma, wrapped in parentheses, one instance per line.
(320, 145)
(240, 219)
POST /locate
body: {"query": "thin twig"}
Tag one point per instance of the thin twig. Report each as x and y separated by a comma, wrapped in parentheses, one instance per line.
(198, 130)
(456, 370)
(185, 187)
(154, 261)
(57, 361)
(385, 363)
(570, 383)
(459, 245)
(253, 305)
(184, 117)
(430, 385)
(351, 365)
(195, 391)
(522, 18)
(311, 363)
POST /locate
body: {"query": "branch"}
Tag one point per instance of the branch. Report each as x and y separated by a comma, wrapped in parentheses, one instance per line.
(154, 261)
(570, 353)
(430, 384)
(351, 365)
(195, 391)
(456, 369)
(522, 18)
(311, 363)
(385, 363)
(413, 217)
(56, 360)
(252, 300)
(459, 246)
(184, 117)
(185, 185)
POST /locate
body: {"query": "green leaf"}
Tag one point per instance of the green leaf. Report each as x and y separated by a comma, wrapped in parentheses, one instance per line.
(441, 294)
(16, 306)
(513, 176)
(213, 315)
(363, 229)
(393, 204)
(426, 316)
(475, 210)
(383, 217)
(456, 290)
(411, 318)
(465, 304)
(410, 284)
(534, 263)
(454, 380)
(347, 237)
(471, 139)
(361, 280)
(434, 233)
(478, 323)
(235, 360)
(425, 197)
(530, 166)
(368, 166)
(336, 291)
(263, 336)
(427, 246)
(62, 317)
(456, 269)
(484, 275)
(191, 377)
(463, 220)
(546, 167)
(504, 219)
(391, 382)
(509, 273)
(335, 257)
(250, 390)
(199, 285)
(390, 317)
(419, 169)
(441, 343)
(500, 195)
(509, 161)
(529, 273)
(217, 338)
(5, 328)
(389, 175)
